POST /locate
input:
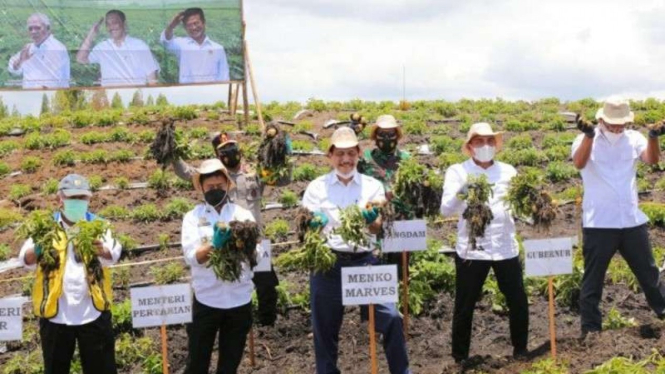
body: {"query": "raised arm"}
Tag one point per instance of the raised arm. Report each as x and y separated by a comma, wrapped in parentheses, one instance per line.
(84, 52)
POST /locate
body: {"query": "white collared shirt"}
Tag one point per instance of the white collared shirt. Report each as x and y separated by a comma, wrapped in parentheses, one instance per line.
(610, 181)
(328, 195)
(129, 64)
(499, 242)
(198, 63)
(197, 229)
(47, 68)
(75, 305)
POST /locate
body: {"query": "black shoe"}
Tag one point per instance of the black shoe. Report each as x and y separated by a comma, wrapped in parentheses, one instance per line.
(521, 354)
(460, 359)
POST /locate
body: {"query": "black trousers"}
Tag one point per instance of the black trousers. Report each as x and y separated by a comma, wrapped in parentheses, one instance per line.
(95, 340)
(599, 247)
(232, 324)
(266, 292)
(469, 280)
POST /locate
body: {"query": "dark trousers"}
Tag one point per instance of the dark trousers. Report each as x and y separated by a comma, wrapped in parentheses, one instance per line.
(266, 292)
(469, 280)
(328, 312)
(232, 324)
(95, 340)
(600, 245)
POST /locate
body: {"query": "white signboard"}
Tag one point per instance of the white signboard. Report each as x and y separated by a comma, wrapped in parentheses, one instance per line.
(11, 318)
(162, 305)
(546, 257)
(406, 236)
(364, 285)
(264, 255)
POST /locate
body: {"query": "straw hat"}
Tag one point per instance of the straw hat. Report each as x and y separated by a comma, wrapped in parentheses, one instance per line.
(386, 122)
(208, 167)
(482, 129)
(343, 137)
(615, 111)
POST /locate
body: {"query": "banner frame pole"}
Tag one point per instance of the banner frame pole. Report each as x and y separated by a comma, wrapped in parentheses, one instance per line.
(372, 341)
(550, 287)
(405, 293)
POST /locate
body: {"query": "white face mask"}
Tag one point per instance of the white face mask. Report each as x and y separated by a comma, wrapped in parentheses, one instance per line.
(345, 176)
(484, 153)
(613, 138)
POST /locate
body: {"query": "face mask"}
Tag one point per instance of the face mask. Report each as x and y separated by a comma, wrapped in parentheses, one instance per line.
(484, 153)
(345, 176)
(386, 142)
(75, 209)
(610, 136)
(230, 158)
(214, 197)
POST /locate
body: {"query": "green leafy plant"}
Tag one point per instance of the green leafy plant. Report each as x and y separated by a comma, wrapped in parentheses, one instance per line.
(121, 182)
(44, 231)
(168, 274)
(4, 169)
(122, 156)
(307, 172)
(18, 191)
(521, 141)
(85, 236)
(127, 242)
(547, 366)
(121, 315)
(121, 277)
(655, 211)
(288, 198)
(65, 157)
(558, 171)
(277, 230)
(477, 214)
(50, 187)
(227, 262)
(8, 217)
(94, 137)
(614, 320)
(159, 180)
(130, 350)
(7, 147)
(176, 208)
(5, 251)
(352, 227)
(114, 212)
(314, 254)
(30, 164)
(22, 363)
(95, 182)
(527, 197)
(170, 144)
(121, 134)
(98, 156)
(418, 189)
(146, 213)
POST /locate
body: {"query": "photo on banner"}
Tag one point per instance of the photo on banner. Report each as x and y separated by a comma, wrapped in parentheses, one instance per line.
(61, 44)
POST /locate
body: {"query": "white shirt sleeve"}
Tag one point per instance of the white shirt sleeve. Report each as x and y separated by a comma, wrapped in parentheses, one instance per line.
(241, 214)
(453, 183)
(10, 66)
(113, 246)
(21, 256)
(190, 239)
(171, 45)
(222, 67)
(94, 56)
(309, 200)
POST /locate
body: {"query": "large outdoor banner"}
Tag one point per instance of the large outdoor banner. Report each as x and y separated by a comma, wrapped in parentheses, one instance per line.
(59, 44)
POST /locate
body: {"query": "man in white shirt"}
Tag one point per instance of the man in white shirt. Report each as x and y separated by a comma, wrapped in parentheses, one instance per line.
(607, 158)
(123, 60)
(200, 59)
(325, 196)
(71, 308)
(44, 63)
(219, 306)
(497, 249)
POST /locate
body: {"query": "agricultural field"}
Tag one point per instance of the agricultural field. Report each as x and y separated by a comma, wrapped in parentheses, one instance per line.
(146, 204)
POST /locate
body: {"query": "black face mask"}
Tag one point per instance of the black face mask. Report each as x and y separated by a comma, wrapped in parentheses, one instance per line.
(214, 197)
(230, 157)
(386, 141)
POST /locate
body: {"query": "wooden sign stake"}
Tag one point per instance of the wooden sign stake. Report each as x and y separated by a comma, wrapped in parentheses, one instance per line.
(252, 359)
(255, 94)
(372, 340)
(165, 358)
(550, 286)
(405, 293)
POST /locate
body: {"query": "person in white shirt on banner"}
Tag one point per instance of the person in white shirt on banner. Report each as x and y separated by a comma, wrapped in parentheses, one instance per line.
(199, 58)
(123, 60)
(71, 308)
(219, 306)
(325, 196)
(43, 63)
(497, 249)
(607, 157)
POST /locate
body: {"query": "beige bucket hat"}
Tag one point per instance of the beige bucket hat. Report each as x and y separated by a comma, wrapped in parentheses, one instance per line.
(208, 167)
(343, 137)
(482, 129)
(616, 111)
(385, 121)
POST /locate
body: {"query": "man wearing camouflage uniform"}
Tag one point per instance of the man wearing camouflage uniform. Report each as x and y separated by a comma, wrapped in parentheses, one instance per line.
(247, 194)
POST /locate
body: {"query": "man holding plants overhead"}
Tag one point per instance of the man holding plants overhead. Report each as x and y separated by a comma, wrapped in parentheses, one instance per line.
(248, 194)
(328, 197)
(71, 251)
(607, 157)
(475, 190)
(222, 289)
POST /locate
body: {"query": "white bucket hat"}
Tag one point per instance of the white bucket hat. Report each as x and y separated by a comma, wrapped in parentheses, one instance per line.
(482, 129)
(208, 167)
(615, 111)
(386, 121)
(343, 137)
